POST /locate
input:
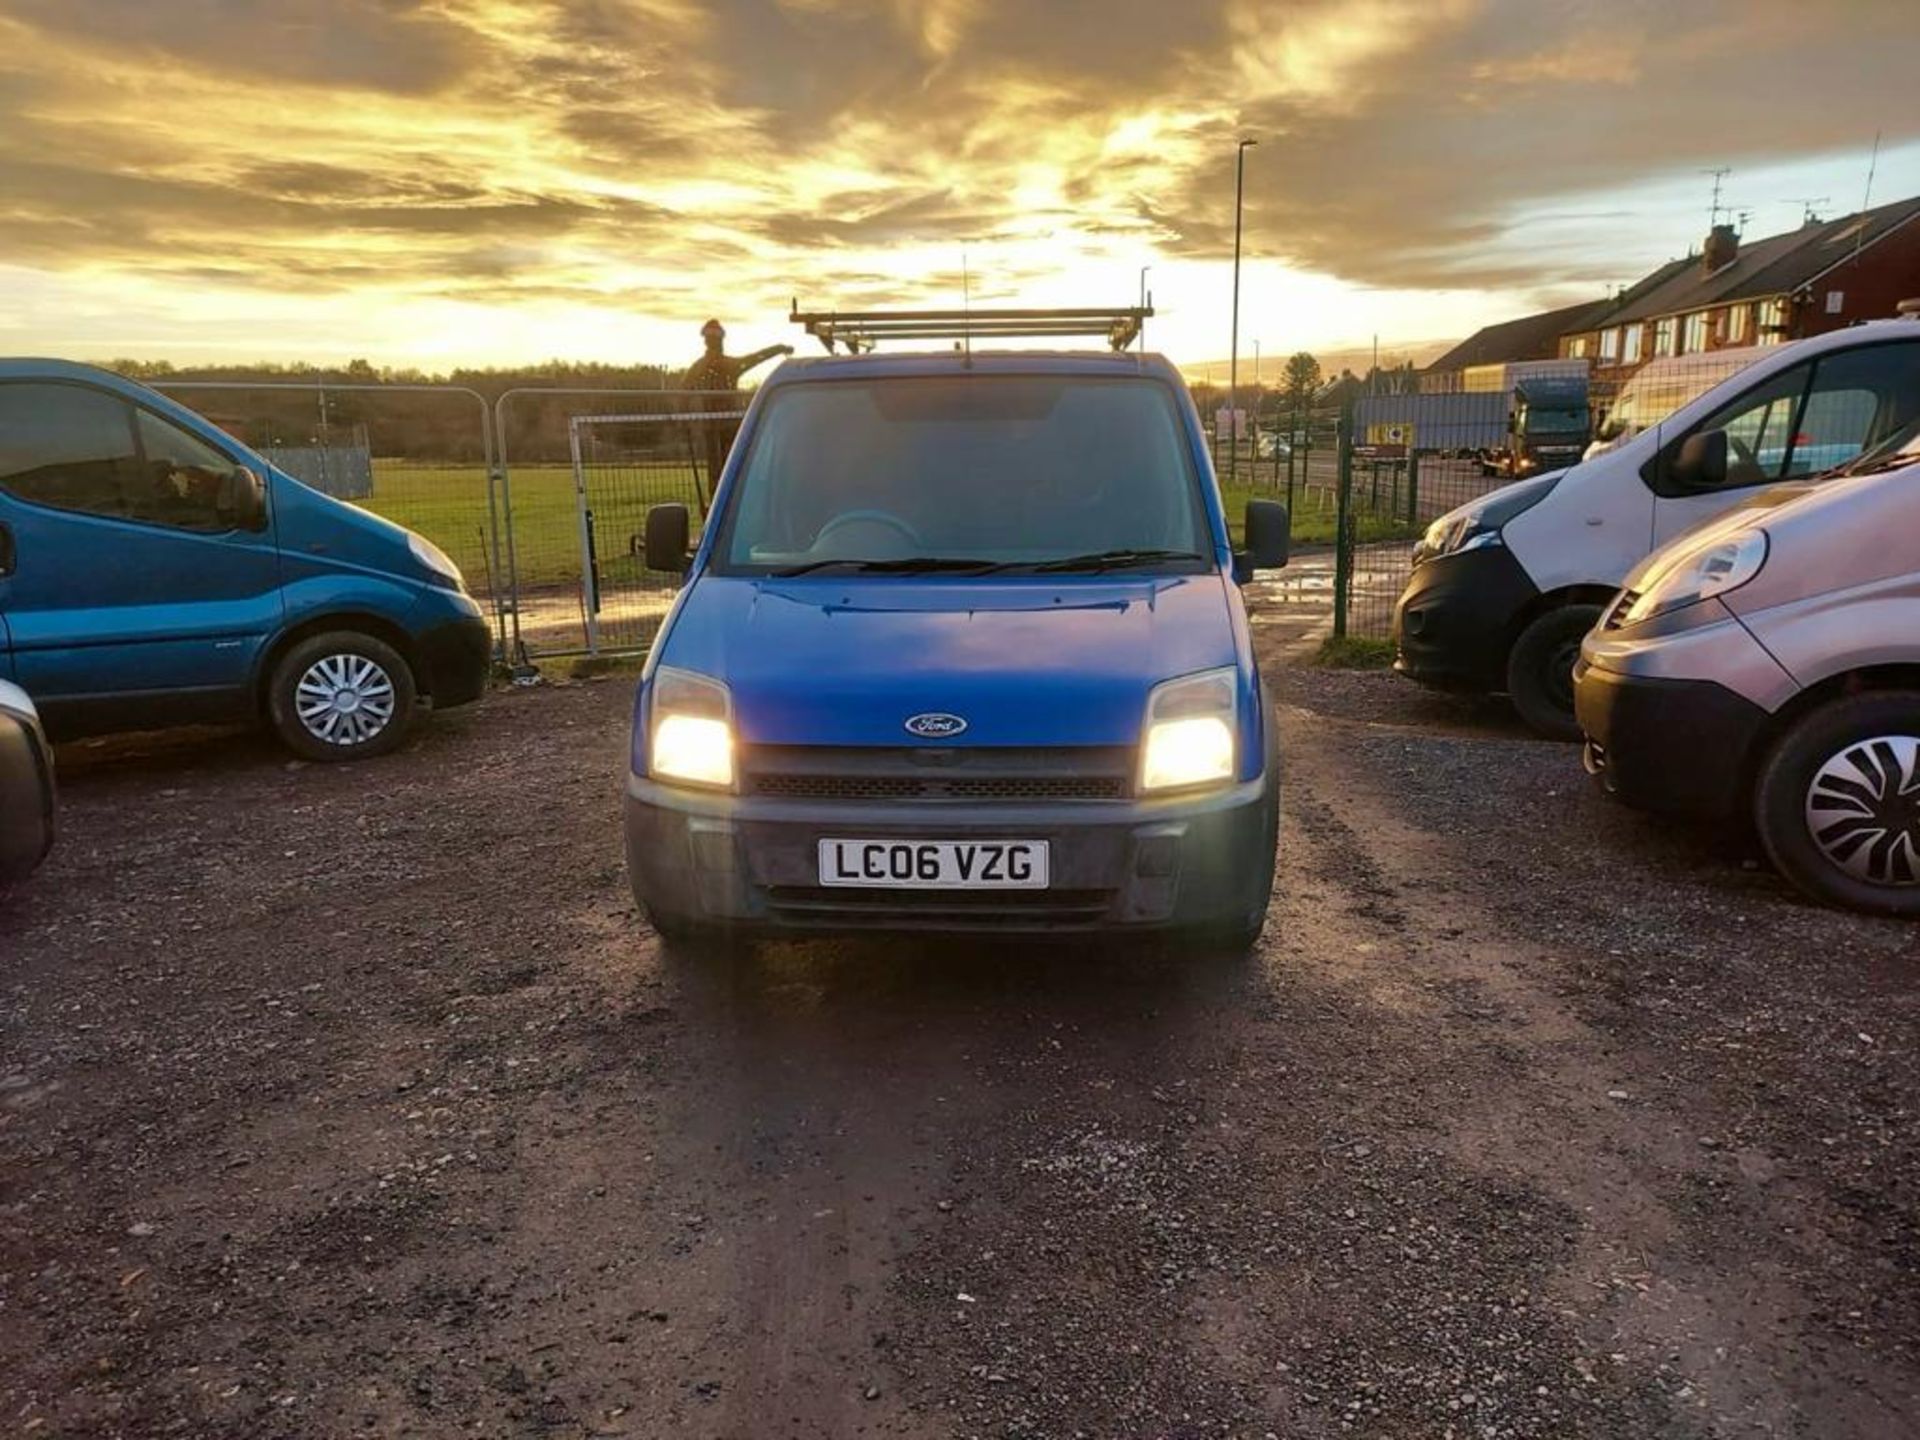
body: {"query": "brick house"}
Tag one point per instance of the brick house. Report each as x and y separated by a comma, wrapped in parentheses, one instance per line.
(1826, 275)
(1531, 337)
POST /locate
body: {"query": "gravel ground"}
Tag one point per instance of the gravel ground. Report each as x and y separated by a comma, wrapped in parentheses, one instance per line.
(360, 1102)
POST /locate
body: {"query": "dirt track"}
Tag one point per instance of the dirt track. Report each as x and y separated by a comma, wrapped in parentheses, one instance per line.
(358, 1102)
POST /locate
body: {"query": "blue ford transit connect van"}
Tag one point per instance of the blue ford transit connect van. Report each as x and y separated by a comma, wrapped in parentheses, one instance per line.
(154, 571)
(962, 647)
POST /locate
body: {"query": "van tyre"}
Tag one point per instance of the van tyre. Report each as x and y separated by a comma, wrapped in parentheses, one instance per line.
(342, 696)
(1837, 802)
(1540, 669)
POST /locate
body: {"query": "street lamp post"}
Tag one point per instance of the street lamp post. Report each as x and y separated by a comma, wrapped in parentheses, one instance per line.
(1233, 360)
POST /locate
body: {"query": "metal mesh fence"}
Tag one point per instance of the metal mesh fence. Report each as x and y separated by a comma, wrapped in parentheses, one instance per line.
(578, 482)
(623, 466)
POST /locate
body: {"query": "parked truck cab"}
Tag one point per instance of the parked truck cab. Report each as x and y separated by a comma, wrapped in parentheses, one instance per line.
(1504, 589)
(154, 571)
(962, 647)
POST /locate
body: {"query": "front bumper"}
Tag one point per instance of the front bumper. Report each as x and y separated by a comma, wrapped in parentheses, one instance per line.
(1680, 747)
(751, 861)
(1456, 620)
(456, 657)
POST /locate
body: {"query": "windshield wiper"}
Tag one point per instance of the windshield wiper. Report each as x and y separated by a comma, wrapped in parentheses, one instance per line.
(1113, 560)
(1875, 467)
(910, 565)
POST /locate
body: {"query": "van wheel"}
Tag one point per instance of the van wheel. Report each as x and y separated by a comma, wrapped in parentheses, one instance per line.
(341, 696)
(1540, 669)
(1837, 804)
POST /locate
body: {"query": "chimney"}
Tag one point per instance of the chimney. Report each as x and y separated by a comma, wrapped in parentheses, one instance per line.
(1722, 245)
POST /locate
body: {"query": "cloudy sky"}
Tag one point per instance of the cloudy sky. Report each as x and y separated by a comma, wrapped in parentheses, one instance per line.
(440, 181)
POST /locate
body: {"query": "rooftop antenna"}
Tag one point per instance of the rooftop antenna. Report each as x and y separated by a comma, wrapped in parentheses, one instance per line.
(1809, 206)
(966, 306)
(1719, 179)
(1866, 200)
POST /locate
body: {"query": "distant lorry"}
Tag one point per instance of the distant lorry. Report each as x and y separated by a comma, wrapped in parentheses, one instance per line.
(1513, 420)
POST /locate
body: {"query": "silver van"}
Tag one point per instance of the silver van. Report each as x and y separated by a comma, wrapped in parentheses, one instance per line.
(1768, 665)
(26, 786)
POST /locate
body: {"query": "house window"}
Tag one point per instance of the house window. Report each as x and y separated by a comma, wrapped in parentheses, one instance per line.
(1610, 344)
(1773, 321)
(1663, 335)
(1631, 339)
(1693, 338)
(1737, 318)
(1579, 347)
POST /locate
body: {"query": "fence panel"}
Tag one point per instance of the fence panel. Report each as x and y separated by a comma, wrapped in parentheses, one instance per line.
(573, 527)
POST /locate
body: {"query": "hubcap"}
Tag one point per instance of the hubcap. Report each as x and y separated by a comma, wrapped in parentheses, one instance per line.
(1863, 810)
(344, 700)
(1560, 675)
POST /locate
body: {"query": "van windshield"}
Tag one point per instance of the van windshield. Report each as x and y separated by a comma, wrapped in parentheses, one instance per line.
(967, 471)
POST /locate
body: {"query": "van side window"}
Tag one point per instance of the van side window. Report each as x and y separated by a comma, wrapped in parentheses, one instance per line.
(187, 480)
(68, 447)
(1808, 419)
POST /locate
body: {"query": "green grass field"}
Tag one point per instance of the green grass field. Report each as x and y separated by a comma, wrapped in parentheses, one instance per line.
(448, 505)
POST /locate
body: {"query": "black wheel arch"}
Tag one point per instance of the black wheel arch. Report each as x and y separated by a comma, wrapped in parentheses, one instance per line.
(1550, 600)
(1863, 681)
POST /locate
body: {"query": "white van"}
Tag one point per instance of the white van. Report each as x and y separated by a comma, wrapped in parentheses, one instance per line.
(1504, 589)
(1660, 387)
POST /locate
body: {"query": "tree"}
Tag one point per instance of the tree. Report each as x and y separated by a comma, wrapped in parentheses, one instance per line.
(1300, 381)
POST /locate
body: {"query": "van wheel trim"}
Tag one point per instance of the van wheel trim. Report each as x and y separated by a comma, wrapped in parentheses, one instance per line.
(1863, 810)
(345, 699)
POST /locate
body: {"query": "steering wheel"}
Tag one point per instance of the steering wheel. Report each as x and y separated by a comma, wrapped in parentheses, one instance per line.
(869, 517)
(1742, 456)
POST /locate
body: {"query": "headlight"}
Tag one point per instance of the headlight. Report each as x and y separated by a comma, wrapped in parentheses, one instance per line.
(1699, 574)
(1191, 732)
(437, 560)
(1476, 526)
(692, 729)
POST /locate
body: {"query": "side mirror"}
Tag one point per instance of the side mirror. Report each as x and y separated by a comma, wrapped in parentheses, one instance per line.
(26, 796)
(1702, 461)
(242, 499)
(668, 529)
(1269, 535)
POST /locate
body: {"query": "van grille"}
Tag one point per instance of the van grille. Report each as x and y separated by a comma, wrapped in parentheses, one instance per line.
(935, 774)
(1616, 615)
(956, 909)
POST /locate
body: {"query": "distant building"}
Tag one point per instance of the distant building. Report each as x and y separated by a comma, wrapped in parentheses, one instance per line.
(1531, 337)
(1823, 276)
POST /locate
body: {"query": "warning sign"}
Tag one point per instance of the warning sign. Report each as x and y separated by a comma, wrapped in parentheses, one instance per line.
(1391, 432)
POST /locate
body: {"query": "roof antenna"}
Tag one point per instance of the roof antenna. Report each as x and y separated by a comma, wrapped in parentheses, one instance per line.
(1866, 200)
(966, 307)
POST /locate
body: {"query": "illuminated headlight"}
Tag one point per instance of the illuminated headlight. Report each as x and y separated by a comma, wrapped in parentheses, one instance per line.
(1699, 574)
(692, 740)
(437, 561)
(1192, 737)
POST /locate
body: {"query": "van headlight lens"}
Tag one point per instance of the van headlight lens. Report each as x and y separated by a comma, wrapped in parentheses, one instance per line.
(692, 740)
(1477, 526)
(1192, 737)
(437, 561)
(1700, 574)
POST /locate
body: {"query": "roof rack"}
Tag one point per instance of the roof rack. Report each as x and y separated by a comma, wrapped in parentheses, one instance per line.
(861, 330)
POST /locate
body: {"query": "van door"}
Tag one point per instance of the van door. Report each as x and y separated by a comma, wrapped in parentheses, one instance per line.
(145, 581)
(1801, 422)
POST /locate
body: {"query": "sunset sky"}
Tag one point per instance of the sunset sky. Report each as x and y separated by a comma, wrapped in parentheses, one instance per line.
(495, 181)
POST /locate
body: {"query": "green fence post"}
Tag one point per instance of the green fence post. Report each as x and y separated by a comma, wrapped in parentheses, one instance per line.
(1413, 487)
(1343, 521)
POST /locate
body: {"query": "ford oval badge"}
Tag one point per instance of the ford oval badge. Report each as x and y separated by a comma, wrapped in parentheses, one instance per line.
(935, 726)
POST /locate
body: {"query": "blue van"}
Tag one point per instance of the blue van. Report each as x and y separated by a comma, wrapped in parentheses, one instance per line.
(962, 647)
(154, 571)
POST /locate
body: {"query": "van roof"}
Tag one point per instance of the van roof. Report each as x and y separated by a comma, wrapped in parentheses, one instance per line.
(980, 362)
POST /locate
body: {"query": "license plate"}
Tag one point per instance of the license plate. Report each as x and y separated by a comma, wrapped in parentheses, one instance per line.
(935, 864)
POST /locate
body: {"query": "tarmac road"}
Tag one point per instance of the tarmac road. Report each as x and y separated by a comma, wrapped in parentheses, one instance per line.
(359, 1102)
